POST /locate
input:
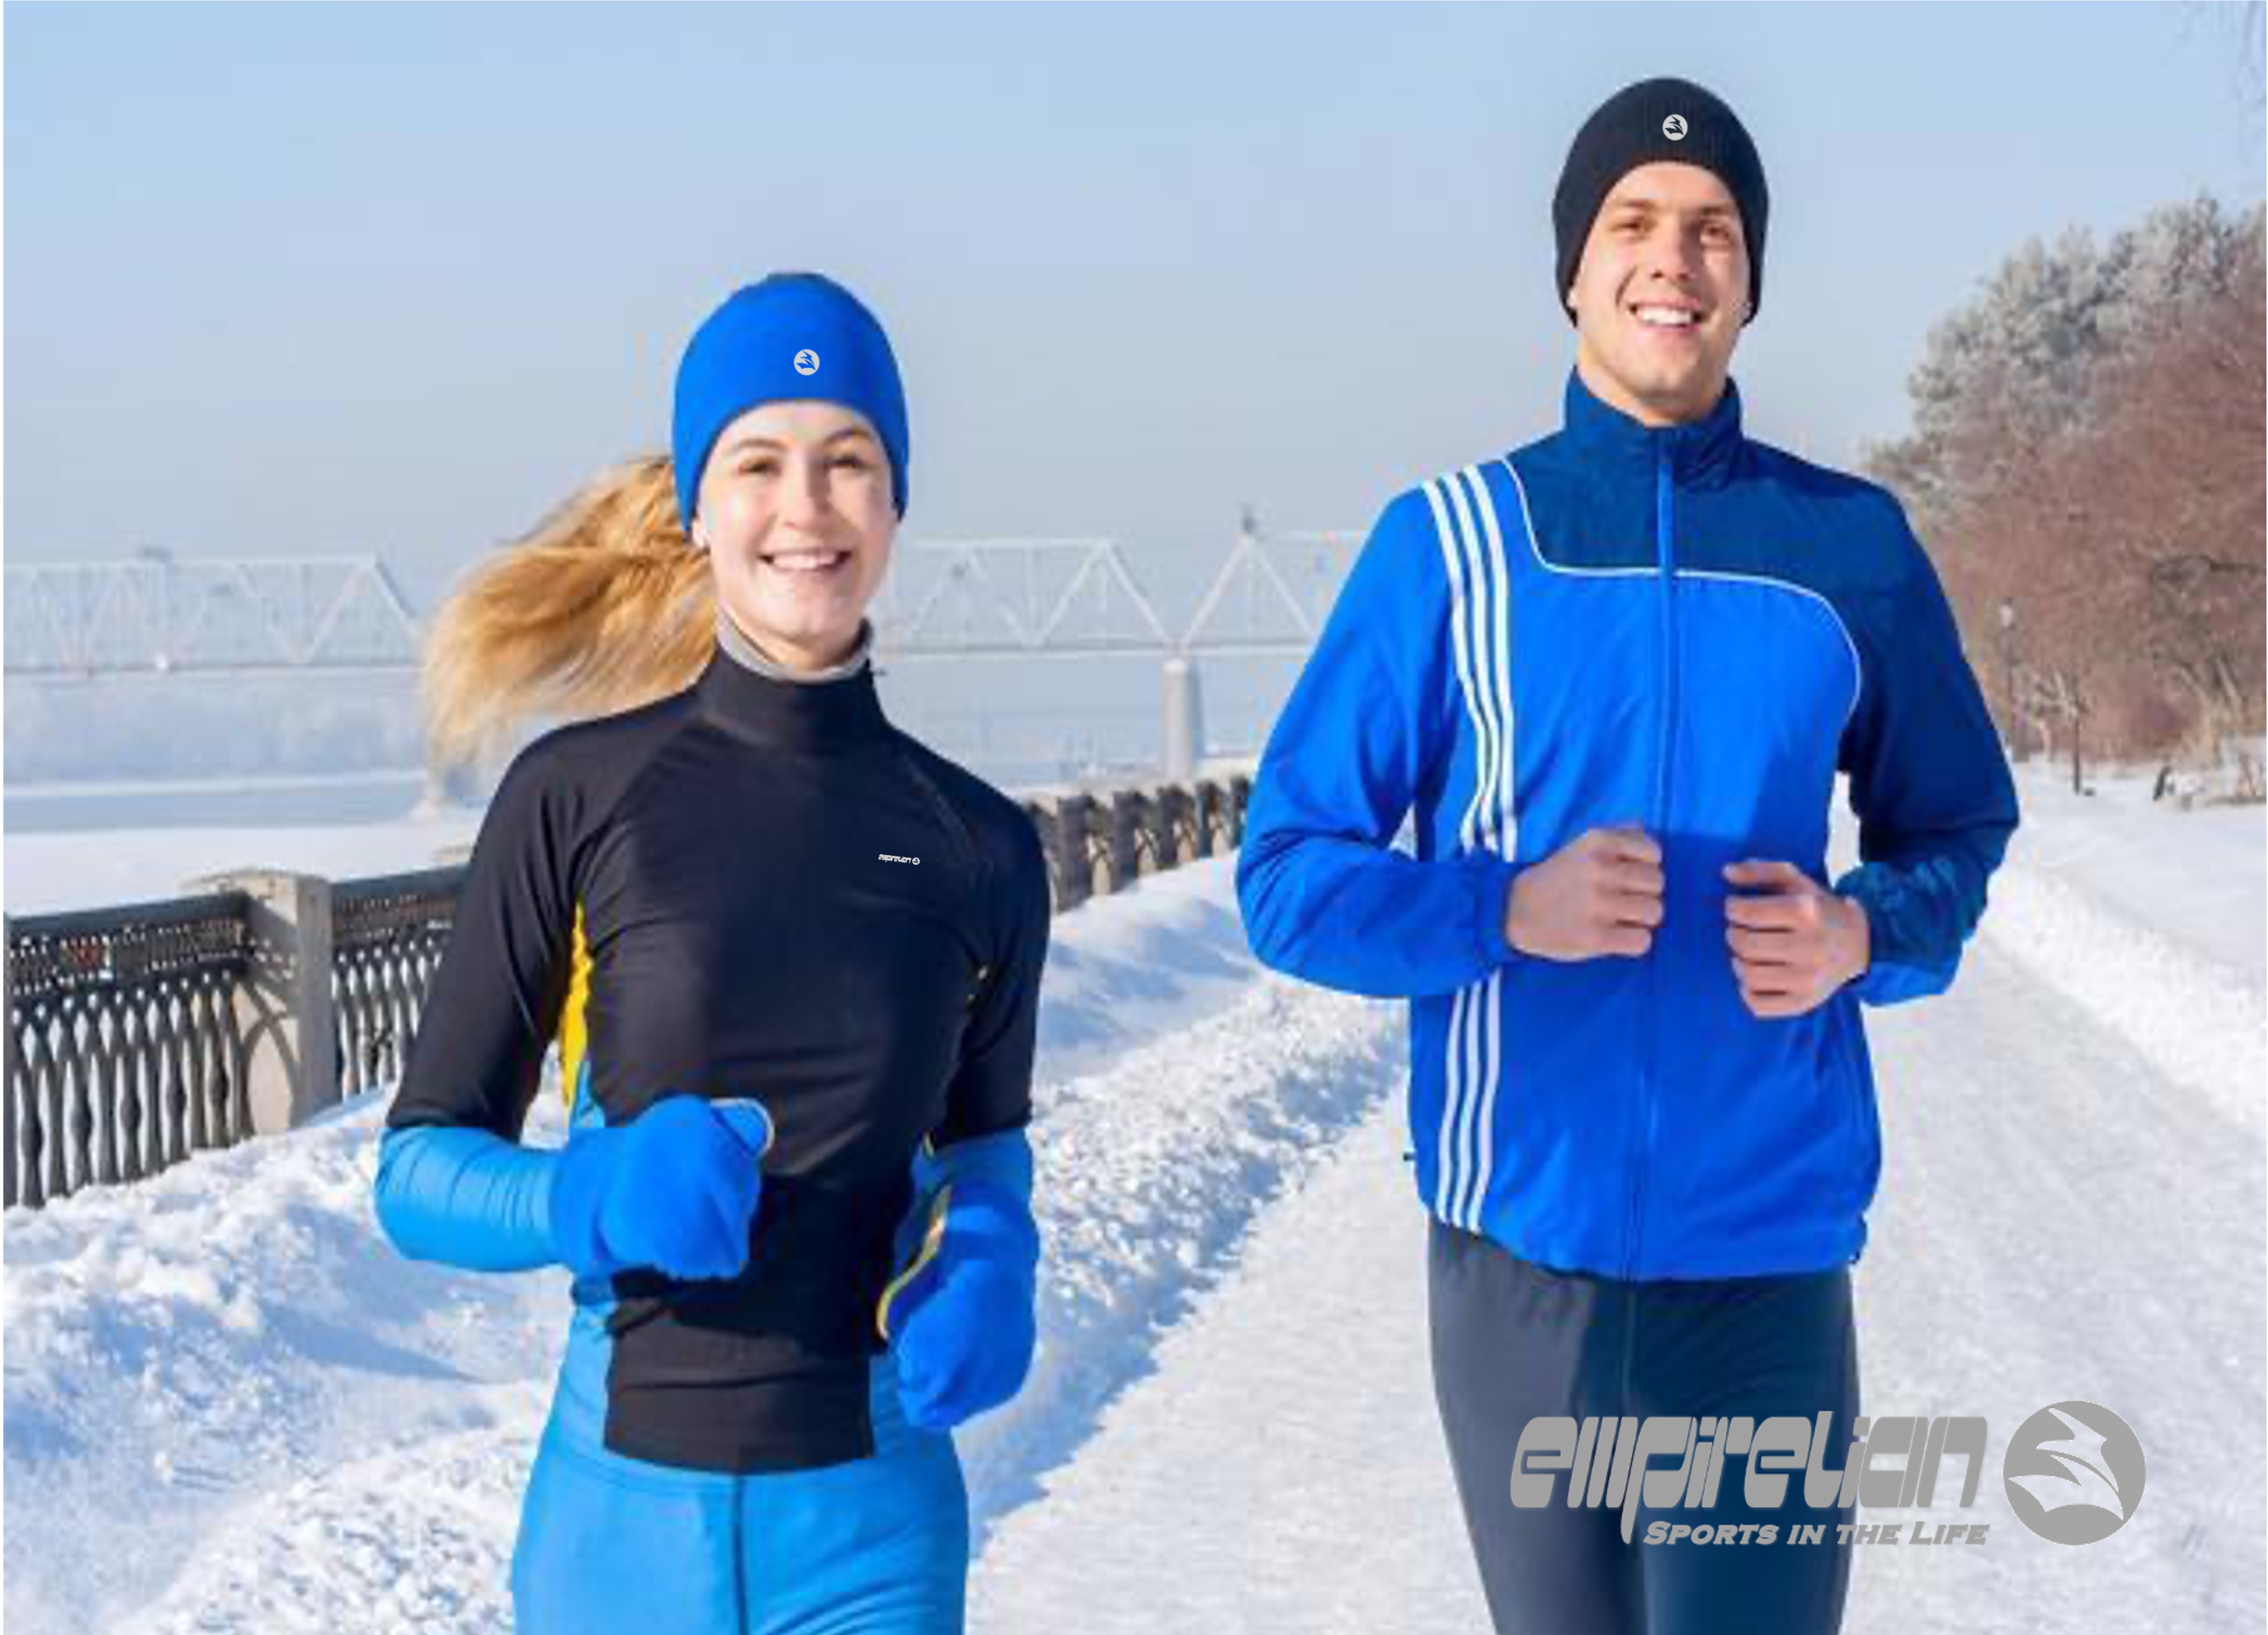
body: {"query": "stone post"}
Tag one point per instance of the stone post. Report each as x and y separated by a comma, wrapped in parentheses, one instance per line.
(283, 1011)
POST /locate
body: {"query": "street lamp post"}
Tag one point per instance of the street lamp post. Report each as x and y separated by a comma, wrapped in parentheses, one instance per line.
(2009, 670)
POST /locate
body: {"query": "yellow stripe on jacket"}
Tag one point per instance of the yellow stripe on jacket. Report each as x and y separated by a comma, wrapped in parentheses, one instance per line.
(574, 1028)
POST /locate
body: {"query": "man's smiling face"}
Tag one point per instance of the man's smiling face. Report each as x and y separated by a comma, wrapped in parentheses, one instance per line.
(1661, 293)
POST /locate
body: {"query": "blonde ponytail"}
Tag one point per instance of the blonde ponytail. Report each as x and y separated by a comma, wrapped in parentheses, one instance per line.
(603, 606)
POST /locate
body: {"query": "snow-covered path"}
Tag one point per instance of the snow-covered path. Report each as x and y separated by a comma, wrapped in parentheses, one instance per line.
(2071, 1208)
(1283, 1470)
(2061, 1218)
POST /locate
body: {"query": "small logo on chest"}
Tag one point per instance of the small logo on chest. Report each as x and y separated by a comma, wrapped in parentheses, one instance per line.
(891, 856)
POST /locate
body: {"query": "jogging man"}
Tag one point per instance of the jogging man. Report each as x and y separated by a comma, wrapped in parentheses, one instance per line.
(1616, 673)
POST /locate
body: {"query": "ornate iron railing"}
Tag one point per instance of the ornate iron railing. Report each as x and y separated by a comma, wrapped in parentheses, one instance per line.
(387, 937)
(124, 1049)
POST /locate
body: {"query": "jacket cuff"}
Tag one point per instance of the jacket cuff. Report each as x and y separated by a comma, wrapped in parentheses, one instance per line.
(1888, 979)
(1489, 877)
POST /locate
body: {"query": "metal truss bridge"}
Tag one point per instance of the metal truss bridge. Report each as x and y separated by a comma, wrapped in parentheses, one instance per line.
(269, 617)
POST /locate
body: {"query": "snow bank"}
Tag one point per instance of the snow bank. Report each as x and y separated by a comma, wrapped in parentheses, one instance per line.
(181, 1347)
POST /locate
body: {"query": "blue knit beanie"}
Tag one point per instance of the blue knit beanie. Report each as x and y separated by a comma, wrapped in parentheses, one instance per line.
(793, 335)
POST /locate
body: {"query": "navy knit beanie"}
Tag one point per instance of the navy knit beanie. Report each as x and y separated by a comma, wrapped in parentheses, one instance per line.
(793, 335)
(1672, 120)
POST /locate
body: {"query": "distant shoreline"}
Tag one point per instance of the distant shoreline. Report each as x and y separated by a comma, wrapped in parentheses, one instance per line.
(96, 788)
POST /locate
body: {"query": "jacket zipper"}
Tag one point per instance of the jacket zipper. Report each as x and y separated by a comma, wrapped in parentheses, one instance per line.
(1666, 558)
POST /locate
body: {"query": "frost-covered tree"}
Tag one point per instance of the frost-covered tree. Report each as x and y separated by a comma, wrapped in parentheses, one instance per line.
(2087, 464)
(2015, 365)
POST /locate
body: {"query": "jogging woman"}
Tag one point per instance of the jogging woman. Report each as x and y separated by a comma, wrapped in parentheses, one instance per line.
(791, 961)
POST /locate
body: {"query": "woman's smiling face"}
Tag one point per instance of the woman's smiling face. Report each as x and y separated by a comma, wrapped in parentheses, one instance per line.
(795, 507)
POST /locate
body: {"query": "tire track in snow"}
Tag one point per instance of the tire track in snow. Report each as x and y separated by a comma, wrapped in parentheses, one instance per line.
(2196, 1023)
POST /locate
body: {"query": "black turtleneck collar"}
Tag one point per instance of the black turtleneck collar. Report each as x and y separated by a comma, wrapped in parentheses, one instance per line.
(800, 716)
(1699, 452)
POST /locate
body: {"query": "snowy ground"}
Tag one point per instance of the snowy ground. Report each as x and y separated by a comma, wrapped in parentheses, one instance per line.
(298, 1431)
(2071, 1208)
(229, 1407)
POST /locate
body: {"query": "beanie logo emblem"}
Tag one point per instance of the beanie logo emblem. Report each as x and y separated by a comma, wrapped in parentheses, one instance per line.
(1674, 128)
(807, 362)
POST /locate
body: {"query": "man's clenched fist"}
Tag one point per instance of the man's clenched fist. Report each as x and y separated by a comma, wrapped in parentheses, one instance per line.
(1795, 943)
(1599, 895)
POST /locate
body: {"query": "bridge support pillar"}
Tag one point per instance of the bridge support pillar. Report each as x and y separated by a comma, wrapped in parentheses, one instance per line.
(1184, 720)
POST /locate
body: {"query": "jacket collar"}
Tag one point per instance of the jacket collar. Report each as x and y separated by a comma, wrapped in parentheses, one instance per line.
(1699, 452)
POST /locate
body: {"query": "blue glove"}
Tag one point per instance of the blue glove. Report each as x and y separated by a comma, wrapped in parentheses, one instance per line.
(675, 1190)
(959, 1316)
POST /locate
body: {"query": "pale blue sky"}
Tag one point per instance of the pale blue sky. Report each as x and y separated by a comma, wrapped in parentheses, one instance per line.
(396, 278)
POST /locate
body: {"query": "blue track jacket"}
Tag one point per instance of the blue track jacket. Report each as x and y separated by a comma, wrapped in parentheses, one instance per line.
(1680, 628)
